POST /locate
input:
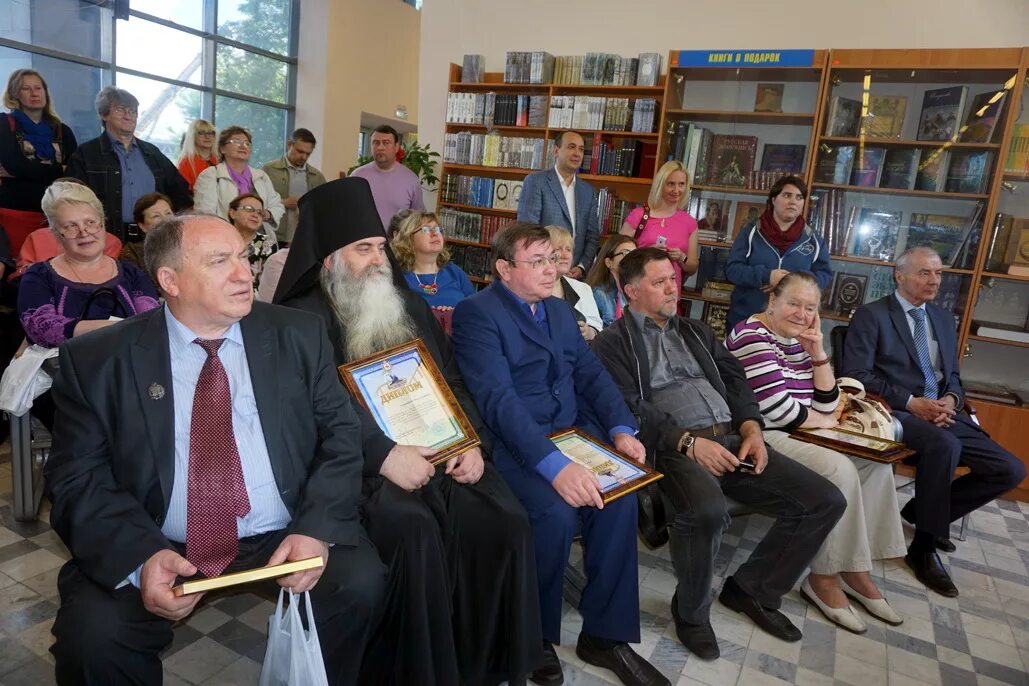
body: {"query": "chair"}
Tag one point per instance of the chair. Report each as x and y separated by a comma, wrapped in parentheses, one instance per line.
(837, 339)
(30, 448)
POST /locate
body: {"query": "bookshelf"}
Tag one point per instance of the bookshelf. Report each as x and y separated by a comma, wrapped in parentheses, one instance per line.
(469, 217)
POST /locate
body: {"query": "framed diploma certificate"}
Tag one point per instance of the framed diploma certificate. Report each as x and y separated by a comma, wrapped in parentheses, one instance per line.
(618, 474)
(855, 444)
(406, 393)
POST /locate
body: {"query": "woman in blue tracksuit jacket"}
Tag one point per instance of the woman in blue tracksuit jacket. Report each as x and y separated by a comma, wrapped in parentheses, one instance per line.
(777, 243)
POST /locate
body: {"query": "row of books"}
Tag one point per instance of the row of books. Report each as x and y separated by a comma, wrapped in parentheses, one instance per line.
(490, 109)
(611, 211)
(474, 260)
(940, 170)
(588, 112)
(608, 158)
(939, 120)
(528, 67)
(882, 233)
(494, 150)
(470, 226)
(481, 191)
(729, 160)
(606, 69)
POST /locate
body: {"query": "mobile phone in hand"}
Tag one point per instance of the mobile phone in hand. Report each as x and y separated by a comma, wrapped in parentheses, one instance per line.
(661, 240)
(747, 465)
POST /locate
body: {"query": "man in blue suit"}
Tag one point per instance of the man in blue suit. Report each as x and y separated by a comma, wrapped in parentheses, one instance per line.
(904, 348)
(558, 197)
(531, 374)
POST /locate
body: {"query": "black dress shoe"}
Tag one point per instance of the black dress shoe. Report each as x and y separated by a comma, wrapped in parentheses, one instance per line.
(930, 571)
(772, 621)
(944, 544)
(699, 639)
(630, 668)
(549, 673)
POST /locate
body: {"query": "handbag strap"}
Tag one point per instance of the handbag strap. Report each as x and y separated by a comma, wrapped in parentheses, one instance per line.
(643, 223)
(105, 290)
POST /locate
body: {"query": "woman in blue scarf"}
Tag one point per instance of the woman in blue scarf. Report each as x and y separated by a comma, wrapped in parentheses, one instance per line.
(34, 149)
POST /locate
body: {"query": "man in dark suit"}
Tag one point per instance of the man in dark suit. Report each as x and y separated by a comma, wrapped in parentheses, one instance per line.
(206, 436)
(531, 374)
(558, 197)
(904, 348)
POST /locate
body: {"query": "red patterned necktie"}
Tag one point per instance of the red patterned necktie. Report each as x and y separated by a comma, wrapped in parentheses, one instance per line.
(216, 493)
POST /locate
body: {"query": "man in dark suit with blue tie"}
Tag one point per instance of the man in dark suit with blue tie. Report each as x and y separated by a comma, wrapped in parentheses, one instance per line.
(558, 197)
(904, 348)
(531, 374)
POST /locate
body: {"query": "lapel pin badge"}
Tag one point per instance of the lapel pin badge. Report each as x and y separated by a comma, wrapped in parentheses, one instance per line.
(156, 391)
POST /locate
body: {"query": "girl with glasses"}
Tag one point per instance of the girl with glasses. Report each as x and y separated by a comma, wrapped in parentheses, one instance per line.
(421, 251)
(197, 151)
(603, 277)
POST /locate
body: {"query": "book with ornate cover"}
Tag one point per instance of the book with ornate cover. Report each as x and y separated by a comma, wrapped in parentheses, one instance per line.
(968, 171)
(932, 171)
(783, 158)
(983, 116)
(848, 293)
(731, 159)
(746, 213)
(941, 232)
(844, 117)
(715, 316)
(835, 165)
(885, 117)
(900, 168)
(875, 233)
(769, 97)
(941, 113)
(868, 167)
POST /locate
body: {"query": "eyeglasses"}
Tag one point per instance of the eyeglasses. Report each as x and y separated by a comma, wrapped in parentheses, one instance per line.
(88, 227)
(239, 142)
(430, 230)
(539, 263)
(205, 133)
(121, 111)
(621, 253)
(251, 209)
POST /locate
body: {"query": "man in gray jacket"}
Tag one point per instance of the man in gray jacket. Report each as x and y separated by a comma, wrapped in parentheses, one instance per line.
(292, 176)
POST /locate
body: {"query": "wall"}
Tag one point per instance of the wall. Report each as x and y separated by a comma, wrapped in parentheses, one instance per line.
(354, 56)
(453, 28)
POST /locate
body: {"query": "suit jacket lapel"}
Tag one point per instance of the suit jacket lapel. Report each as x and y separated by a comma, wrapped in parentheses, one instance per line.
(263, 363)
(942, 324)
(583, 194)
(151, 367)
(903, 330)
(554, 181)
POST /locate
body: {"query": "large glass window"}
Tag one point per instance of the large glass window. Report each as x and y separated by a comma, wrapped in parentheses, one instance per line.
(229, 61)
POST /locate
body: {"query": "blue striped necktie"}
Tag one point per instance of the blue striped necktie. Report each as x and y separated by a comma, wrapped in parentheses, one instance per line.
(932, 388)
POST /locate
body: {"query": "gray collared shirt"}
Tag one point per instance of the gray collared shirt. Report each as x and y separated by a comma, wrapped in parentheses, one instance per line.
(136, 178)
(677, 381)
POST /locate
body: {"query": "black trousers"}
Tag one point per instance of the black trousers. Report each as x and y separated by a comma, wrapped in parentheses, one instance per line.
(939, 501)
(805, 506)
(107, 638)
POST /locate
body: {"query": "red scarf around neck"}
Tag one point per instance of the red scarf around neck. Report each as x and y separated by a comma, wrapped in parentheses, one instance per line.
(779, 239)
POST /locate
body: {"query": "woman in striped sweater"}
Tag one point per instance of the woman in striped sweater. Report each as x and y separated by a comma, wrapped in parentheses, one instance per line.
(781, 351)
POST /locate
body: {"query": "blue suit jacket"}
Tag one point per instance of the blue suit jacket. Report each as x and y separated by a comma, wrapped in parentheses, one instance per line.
(543, 202)
(880, 352)
(527, 385)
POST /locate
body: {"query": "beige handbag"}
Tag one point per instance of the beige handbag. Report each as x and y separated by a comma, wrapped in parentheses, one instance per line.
(863, 413)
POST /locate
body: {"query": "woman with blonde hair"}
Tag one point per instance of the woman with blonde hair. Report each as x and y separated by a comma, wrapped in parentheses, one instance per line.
(197, 150)
(574, 292)
(421, 252)
(663, 223)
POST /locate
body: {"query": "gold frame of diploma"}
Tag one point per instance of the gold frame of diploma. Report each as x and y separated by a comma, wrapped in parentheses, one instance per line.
(855, 444)
(618, 473)
(247, 576)
(404, 390)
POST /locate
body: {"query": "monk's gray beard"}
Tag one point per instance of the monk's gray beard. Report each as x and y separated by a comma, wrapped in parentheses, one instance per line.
(368, 306)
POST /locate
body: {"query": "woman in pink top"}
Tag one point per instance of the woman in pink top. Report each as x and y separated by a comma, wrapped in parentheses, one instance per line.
(667, 225)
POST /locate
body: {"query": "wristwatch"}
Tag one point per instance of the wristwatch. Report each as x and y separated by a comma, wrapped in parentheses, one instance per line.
(686, 442)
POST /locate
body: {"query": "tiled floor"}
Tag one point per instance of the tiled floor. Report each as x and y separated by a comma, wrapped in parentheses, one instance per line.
(982, 637)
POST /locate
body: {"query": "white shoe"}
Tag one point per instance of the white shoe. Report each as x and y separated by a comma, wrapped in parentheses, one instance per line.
(841, 616)
(877, 607)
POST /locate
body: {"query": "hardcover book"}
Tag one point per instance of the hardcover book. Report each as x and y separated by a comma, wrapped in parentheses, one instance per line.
(885, 116)
(875, 233)
(732, 158)
(982, 117)
(746, 214)
(900, 168)
(769, 97)
(716, 218)
(932, 171)
(472, 68)
(844, 117)
(835, 165)
(848, 293)
(868, 168)
(1017, 162)
(782, 158)
(941, 113)
(968, 171)
(941, 232)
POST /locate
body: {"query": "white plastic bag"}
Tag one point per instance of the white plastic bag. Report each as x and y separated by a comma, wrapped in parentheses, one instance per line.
(293, 656)
(23, 380)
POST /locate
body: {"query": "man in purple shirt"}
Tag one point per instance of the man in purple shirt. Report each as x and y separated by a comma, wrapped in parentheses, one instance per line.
(394, 186)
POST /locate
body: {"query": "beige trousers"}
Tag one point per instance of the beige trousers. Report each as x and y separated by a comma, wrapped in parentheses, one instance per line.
(870, 528)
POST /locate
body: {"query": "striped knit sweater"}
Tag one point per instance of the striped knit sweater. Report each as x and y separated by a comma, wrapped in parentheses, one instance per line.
(780, 373)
